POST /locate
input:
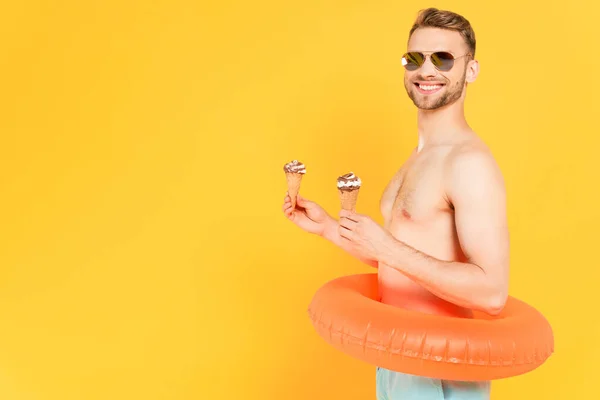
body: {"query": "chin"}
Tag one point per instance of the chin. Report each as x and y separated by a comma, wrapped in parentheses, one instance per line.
(432, 102)
(426, 104)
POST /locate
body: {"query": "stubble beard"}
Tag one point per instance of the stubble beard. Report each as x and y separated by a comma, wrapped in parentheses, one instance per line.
(450, 95)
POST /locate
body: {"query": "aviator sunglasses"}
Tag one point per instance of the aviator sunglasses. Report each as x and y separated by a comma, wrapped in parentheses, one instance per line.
(442, 60)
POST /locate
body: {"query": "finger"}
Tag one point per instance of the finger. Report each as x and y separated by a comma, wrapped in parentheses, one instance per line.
(345, 233)
(352, 216)
(302, 201)
(347, 223)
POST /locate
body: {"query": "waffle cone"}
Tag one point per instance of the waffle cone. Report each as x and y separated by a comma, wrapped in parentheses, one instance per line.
(293, 184)
(348, 199)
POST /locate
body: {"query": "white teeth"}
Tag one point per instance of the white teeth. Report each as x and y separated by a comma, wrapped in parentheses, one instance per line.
(430, 87)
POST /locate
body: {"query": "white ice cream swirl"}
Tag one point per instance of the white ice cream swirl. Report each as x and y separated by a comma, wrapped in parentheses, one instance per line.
(295, 166)
(348, 181)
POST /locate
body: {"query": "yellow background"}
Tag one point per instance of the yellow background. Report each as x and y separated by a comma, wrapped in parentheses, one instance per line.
(144, 254)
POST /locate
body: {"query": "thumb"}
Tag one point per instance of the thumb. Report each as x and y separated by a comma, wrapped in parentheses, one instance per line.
(302, 201)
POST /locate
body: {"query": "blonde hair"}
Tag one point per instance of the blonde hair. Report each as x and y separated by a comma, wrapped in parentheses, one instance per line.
(434, 18)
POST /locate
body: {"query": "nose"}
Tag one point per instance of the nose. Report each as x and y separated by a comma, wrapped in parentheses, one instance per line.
(428, 69)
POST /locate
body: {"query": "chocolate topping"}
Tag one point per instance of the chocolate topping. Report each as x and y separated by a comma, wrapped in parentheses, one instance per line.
(348, 181)
(294, 167)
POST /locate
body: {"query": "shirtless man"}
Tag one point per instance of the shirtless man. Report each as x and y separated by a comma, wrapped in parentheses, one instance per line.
(444, 246)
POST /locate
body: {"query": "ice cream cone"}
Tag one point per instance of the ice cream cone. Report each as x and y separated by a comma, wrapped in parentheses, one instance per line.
(293, 183)
(348, 187)
(348, 199)
(294, 172)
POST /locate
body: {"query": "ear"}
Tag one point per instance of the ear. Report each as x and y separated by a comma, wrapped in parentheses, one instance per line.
(472, 71)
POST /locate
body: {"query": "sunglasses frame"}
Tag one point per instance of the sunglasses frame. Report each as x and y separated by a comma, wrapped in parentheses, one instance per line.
(428, 54)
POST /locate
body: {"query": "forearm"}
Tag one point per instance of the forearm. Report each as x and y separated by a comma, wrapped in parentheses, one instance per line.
(464, 284)
(331, 234)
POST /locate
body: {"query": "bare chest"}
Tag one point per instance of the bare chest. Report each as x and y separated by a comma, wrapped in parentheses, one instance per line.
(417, 193)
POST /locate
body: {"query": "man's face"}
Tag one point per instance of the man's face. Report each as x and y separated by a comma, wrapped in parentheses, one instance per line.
(427, 87)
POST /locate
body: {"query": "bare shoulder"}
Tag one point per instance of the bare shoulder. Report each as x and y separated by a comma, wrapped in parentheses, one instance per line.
(470, 167)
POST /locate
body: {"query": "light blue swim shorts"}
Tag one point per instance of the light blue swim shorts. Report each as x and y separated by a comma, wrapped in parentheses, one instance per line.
(393, 385)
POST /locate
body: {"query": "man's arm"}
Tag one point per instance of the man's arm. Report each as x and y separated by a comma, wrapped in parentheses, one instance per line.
(476, 189)
(331, 233)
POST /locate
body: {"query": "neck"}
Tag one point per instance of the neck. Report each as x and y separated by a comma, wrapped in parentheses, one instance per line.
(441, 126)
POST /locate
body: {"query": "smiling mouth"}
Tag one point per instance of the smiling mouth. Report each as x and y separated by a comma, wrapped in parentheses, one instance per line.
(429, 88)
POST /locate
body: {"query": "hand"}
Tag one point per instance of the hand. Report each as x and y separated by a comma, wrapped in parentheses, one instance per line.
(366, 236)
(307, 215)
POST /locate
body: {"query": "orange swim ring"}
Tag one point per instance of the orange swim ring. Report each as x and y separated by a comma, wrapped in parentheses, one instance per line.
(345, 312)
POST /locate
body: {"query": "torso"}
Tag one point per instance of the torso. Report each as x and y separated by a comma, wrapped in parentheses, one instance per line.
(417, 212)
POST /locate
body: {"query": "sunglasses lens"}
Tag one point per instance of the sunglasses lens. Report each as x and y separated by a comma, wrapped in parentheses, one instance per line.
(442, 60)
(413, 60)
